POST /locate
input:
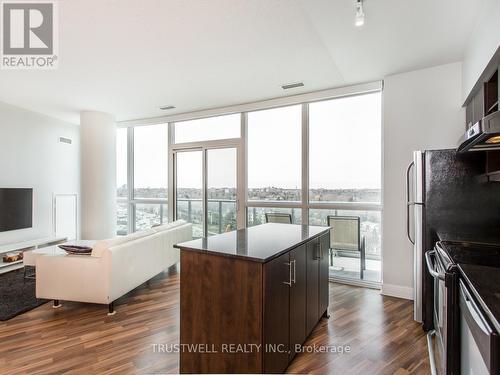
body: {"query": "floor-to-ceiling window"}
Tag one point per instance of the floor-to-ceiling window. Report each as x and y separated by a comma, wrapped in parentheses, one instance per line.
(274, 144)
(121, 181)
(150, 178)
(189, 189)
(318, 161)
(142, 177)
(222, 186)
(345, 181)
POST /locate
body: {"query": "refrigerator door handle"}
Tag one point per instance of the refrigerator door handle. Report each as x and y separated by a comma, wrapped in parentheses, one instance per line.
(408, 203)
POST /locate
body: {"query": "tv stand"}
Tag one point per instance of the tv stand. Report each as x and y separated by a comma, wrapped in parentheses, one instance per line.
(25, 246)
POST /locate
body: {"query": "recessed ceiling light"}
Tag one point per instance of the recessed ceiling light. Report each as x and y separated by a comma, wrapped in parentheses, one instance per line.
(359, 18)
(167, 107)
(292, 85)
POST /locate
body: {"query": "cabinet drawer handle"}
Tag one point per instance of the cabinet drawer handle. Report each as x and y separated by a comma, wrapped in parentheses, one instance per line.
(289, 282)
(318, 252)
(294, 281)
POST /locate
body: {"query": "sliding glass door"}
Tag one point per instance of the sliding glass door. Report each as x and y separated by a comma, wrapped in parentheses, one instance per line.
(221, 190)
(206, 190)
(189, 190)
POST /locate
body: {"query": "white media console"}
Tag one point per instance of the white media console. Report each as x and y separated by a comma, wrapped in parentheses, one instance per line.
(25, 246)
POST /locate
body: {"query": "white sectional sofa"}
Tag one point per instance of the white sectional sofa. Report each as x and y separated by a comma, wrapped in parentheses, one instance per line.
(115, 267)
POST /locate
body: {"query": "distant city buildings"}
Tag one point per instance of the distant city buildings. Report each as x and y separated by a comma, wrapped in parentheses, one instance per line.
(264, 194)
(222, 209)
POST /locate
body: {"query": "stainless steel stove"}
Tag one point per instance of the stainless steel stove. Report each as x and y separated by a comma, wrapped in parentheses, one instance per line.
(443, 265)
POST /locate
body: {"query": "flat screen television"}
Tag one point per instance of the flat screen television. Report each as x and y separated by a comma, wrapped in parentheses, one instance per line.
(16, 209)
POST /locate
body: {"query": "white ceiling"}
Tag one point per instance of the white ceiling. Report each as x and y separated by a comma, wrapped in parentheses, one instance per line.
(129, 57)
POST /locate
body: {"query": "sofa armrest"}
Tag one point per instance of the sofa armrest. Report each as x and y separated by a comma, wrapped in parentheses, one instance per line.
(72, 278)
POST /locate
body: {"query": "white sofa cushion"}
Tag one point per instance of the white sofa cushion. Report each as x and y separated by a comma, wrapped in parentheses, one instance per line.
(140, 234)
(101, 246)
(161, 228)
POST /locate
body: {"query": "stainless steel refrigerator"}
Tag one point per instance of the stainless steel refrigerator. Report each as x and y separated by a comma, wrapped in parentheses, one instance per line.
(414, 225)
(447, 195)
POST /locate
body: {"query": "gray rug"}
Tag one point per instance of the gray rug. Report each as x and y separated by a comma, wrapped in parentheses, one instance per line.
(17, 295)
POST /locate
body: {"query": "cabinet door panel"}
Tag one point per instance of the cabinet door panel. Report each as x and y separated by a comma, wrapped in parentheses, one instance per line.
(276, 314)
(479, 105)
(324, 264)
(298, 298)
(469, 115)
(312, 286)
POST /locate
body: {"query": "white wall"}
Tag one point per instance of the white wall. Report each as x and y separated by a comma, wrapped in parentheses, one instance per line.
(422, 110)
(482, 45)
(31, 156)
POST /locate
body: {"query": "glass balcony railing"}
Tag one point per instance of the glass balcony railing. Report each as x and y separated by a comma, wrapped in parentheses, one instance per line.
(221, 215)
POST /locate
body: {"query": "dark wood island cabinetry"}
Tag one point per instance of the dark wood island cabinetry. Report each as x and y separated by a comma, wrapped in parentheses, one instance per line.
(250, 297)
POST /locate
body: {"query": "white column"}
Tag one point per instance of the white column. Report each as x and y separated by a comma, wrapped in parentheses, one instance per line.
(98, 158)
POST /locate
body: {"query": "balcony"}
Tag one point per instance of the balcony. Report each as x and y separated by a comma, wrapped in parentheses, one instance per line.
(221, 217)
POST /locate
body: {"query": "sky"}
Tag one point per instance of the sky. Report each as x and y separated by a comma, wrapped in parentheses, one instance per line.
(221, 165)
(345, 148)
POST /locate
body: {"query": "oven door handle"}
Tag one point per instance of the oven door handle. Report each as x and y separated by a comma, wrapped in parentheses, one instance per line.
(472, 310)
(430, 265)
(430, 348)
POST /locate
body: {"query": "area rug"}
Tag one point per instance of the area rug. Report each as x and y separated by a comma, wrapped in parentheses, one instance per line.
(17, 295)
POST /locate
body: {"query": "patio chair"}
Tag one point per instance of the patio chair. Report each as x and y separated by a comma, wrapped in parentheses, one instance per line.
(345, 236)
(278, 217)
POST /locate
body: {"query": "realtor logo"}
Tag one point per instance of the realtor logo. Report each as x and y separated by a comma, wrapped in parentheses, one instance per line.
(29, 35)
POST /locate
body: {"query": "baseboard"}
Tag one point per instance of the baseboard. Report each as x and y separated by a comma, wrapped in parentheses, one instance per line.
(397, 291)
(353, 282)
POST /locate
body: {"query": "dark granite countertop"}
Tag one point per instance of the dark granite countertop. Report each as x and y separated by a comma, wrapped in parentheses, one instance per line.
(480, 254)
(484, 282)
(260, 243)
(485, 238)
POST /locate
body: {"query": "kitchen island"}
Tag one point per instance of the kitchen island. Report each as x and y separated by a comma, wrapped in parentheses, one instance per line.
(250, 298)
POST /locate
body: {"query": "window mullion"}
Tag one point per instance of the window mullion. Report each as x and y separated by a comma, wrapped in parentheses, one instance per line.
(305, 163)
(170, 186)
(130, 180)
(242, 172)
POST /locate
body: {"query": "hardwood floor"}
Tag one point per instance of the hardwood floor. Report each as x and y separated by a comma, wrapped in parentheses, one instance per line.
(380, 331)
(82, 339)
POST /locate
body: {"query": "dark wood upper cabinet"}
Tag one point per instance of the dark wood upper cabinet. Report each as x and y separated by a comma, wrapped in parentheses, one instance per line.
(484, 102)
(277, 314)
(474, 111)
(469, 115)
(298, 298)
(491, 94)
(479, 106)
(483, 98)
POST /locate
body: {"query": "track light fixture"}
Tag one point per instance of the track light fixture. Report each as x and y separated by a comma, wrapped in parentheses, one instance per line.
(359, 18)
